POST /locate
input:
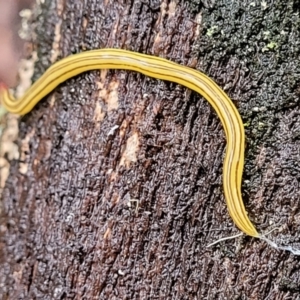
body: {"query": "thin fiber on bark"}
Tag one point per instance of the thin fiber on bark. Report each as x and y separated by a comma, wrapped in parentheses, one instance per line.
(118, 188)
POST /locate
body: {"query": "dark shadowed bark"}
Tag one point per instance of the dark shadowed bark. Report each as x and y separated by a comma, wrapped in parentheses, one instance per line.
(118, 189)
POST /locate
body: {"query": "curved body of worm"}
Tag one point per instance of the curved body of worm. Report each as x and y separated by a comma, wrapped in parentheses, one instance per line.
(161, 69)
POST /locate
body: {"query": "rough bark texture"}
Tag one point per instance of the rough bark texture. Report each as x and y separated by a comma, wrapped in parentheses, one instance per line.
(118, 189)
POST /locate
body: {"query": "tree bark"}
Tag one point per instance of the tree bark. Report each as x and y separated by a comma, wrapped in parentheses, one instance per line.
(118, 187)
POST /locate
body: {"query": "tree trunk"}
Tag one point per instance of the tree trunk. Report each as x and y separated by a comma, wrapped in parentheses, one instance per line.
(118, 187)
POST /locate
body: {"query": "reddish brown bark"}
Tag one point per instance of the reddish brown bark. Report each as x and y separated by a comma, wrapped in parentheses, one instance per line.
(118, 188)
